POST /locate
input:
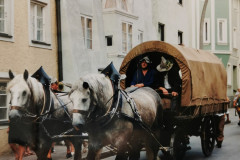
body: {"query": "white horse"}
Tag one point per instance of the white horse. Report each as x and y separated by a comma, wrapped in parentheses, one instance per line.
(29, 110)
(92, 97)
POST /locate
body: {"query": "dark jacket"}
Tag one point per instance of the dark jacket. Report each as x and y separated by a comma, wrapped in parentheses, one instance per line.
(147, 80)
(173, 79)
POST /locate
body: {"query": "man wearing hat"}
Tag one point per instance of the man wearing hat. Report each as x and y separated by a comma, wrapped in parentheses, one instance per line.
(168, 80)
(144, 76)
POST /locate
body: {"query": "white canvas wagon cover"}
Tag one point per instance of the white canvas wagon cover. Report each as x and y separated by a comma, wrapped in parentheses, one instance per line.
(204, 78)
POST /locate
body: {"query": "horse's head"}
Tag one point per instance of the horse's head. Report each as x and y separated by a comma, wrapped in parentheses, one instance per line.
(20, 94)
(81, 98)
(89, 97)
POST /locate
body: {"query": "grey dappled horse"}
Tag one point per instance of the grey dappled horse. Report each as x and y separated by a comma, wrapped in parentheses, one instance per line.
(27, 102)
(92, 98)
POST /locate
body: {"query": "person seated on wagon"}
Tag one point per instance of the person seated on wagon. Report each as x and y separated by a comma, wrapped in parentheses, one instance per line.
(168, 80)
(144, 76)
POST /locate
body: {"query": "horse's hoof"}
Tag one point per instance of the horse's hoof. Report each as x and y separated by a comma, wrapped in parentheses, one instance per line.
(68, 155)
(49, 158)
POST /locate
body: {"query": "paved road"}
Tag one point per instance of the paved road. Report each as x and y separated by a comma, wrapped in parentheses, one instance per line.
(230, 149)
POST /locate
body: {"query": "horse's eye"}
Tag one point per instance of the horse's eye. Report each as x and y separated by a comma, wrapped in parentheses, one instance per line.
(24, 93)
(84, 100)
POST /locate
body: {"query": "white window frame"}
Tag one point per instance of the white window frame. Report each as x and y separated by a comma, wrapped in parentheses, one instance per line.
(222, 31)
(45, 42)
(206, 31)
(235, 38)
(129, 37)
(4, 79)
(140, 36)
(229, 74)
(7, 33)
(88, 41)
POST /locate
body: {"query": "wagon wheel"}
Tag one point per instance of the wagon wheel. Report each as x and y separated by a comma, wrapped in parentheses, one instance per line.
(208, 137)
(178, 143)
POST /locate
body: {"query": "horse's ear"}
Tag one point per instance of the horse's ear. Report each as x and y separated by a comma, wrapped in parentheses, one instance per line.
(25, 75)
(11, 75)
(85, 85)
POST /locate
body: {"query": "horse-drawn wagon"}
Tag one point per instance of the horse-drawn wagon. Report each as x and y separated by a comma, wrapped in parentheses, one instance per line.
(203, 93)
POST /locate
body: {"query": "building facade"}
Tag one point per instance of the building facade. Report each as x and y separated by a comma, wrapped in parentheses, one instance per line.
(220, 35)
(27, 41)
(83, 43)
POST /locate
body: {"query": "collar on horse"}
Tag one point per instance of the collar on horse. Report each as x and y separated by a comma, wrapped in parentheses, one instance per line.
(45, 80)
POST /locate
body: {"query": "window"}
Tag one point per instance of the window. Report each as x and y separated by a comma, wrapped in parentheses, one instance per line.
(180, 2)
(180, 37)
(124, 5)
(222, 30)
(161, 31)
(126, 37)
(2, 17)
(109, 40)
(6, 19)
(3, 102)
(140, 36)
(40, 23)
(206, 31)
(87, 31)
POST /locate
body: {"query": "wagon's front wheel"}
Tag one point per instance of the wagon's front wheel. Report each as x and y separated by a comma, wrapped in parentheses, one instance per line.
(178, 145)
(208, 138)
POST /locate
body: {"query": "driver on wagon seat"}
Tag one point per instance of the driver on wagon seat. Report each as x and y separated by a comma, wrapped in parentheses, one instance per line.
(144, 76)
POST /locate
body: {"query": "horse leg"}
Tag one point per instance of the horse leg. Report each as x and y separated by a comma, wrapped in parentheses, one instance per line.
(121, 155)
(94, 152)
(152, 151)
(78, 148)
(69, 148)
(134, 152)
(43, 151)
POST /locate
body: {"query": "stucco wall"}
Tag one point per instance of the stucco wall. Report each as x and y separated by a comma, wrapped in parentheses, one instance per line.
(4, 147)
(77, 59)
(18, 55)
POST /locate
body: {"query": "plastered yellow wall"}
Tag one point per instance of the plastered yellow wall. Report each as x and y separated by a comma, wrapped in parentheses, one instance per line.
(18, 55)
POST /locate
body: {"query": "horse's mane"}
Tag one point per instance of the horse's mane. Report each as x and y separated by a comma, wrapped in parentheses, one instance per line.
(35, 86)
(98, 84)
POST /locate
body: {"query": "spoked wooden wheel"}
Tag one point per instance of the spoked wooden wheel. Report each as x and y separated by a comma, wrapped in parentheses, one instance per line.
(208, 138)
(178, 145)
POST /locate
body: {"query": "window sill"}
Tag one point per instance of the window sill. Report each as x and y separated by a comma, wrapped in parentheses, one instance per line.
(41, 43)
(4, 124)
(222, 43)
(121, 55)
(206, 43)
(5, 35)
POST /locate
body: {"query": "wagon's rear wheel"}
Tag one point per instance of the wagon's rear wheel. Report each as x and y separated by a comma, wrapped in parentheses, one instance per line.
(178, 145)
(208, 131)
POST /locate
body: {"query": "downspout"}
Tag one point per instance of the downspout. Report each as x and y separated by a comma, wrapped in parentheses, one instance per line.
(59, 40)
